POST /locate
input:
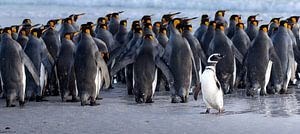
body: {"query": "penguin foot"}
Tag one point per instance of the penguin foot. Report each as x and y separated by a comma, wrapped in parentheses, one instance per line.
(221, 110)
(184, 100)
(174, 100)
(99, 98)
(207, 111)
(138, 100)
(149, 101)
(94, 103)
(263, 93)
(9, 104)
(21, 103)
(40, 99)
(283, 91)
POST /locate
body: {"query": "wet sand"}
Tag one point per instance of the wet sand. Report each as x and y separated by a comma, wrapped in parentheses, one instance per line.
(118, 113)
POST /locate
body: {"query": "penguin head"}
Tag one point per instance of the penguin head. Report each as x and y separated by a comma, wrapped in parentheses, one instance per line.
(69, 36)
(254, 22)
(163, 30)
(103, 26)
(68, 20)
(188, 28)
(7, 30)
(26, 21)
(15, 28)
(107, 17)
(252, 17)
(176, 22)
(289, 26)
(75, 17)
(148, 26)
(240, 25)
(101, 20)
(38, 32)
(284, 23)
(220, 13)
(220, 26)
(264, 28)
(186, 21)
(294, 19)
(157, 24)
(135, 24)
(213, 24)
(215, 58)
(91, 25)
(166, 18)
(275, 20)
(235, 18)
(53, 23)
(23, 32)
(123, 23)
(138, 30)
(205, 21)
(85, 28)
(204, 16)
(146, 19)
(115, 15)
(148, 36)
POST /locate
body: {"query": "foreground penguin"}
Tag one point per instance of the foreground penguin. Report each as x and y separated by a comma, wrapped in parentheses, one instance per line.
(226, 69)
(65, 68)
(179, 57)
(146, 61)
(284, 48)
(90, 68)
(42, 60)
(212, 92)
(12, 64)
(259, 62)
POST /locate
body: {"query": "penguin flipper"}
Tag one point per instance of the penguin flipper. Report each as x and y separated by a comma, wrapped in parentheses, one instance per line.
(296, 53)
(237, 54)
(101, 45)
(114, 54)
(101, 63)
(277, 63)
(121, 64)
(30, 67)
(165, 70)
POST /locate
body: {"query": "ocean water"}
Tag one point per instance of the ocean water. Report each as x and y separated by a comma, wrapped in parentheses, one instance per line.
(40, 11)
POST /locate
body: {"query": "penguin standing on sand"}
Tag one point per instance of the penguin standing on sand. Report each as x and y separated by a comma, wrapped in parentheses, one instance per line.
(146, 61)
(284, 46)
(226, 69)
(42, 60)
(212, 92)
(90, 68)
(51, 38)
(179, 57)
(242, 42)
(65, 68)
(259, 71)
(13, 61)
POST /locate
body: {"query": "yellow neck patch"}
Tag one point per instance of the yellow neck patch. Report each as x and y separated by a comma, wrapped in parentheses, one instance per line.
(255, 23)
(164, 32)
(265, 29)
(35, 34)
(285, 25)
(68, 36)
(222, 28)
(23, 33)
(157, 25)
(88, 31)
(14, 30)
(206, 23)
(176, 22)
(241, 26)
(220, 13)
(190, 29)
(294, 20)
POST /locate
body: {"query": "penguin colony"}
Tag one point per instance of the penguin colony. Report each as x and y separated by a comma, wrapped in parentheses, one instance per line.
(75, 61)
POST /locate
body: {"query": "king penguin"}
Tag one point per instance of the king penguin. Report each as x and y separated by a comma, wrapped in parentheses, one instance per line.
(234, 19)
(212, 92)
(202, 28)
(42, 60)
(252, 29)
(179, 58)
(283, 47)
(259, 71)
(207, 36)
(13, 62)
(65, 68)
(90, 68)
(114, 22)
(51, 38)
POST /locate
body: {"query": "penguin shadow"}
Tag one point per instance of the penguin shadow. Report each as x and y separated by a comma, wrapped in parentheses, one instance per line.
(225, 113)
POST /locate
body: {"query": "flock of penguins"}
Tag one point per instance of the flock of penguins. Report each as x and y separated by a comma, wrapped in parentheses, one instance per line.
(219, 57)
